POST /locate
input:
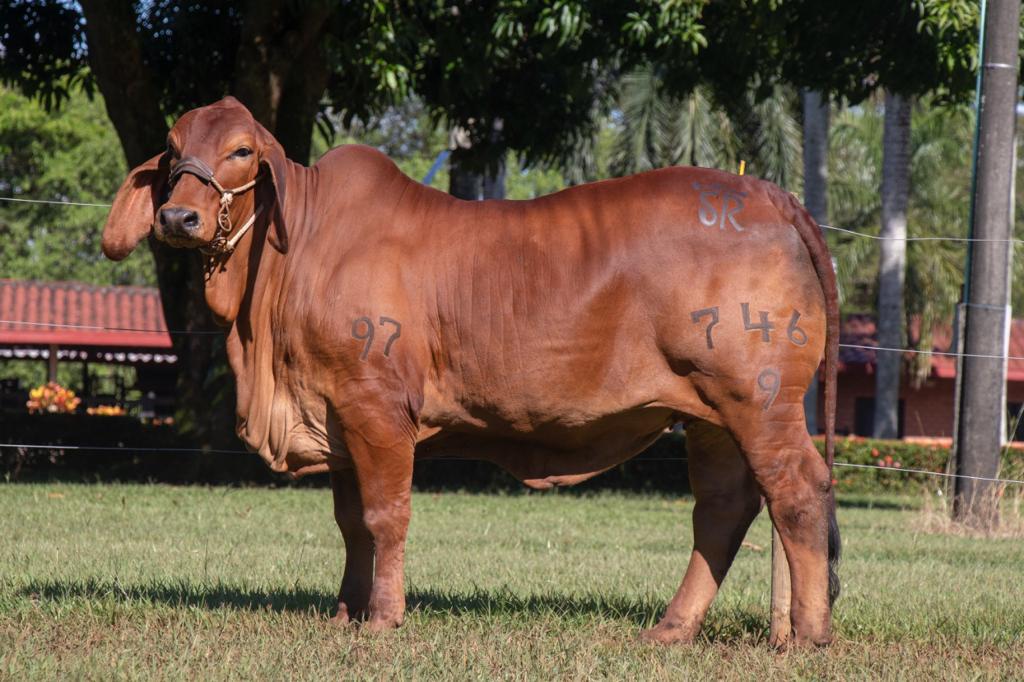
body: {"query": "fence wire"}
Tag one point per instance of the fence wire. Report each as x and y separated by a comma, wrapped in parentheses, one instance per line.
(53, 203)
(102, 448)
(186, 332)
(920, 239)
(823, 226)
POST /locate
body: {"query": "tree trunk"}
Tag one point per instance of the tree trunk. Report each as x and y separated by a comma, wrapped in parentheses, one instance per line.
(494, 182)
(815, 132)
(281, 73)
(115, 57)
(494, 177)
(281, 77)
(892, 262)
(464, 181)
(300, 102)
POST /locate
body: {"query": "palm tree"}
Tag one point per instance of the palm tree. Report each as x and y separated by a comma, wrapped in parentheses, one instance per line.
(656, 130)
(816, 114)
(939, 180)
(895, 190)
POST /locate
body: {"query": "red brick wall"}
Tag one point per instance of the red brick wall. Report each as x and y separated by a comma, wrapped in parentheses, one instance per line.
(927, 411)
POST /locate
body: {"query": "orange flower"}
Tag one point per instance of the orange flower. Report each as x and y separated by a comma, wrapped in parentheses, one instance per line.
(52, 397)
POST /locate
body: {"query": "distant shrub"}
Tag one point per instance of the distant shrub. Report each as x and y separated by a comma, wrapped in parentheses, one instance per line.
(123, 448)
(893, 458)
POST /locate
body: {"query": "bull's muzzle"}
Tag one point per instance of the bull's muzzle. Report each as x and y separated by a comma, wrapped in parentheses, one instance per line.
(178, 222)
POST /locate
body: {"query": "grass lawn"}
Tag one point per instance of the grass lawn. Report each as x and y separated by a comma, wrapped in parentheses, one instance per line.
(114, 581)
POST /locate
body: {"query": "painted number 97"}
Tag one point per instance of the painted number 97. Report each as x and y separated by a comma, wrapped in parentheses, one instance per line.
(363, 330)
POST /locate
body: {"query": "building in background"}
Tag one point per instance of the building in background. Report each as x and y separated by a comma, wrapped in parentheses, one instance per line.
(56, 323)
(927, 409)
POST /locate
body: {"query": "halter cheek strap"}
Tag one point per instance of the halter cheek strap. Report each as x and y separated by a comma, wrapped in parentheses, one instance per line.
(220, 244)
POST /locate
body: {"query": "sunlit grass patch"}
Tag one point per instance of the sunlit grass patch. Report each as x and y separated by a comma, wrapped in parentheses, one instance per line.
(189, 582)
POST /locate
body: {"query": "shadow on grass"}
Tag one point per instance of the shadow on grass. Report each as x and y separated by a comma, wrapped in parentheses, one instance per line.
(733, 626)
(184, 594)
(504, 602)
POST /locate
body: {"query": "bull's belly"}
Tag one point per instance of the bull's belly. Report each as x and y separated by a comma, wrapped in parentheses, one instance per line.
(552, 454)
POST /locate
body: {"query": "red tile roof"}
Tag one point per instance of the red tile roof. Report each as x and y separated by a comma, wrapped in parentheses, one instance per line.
(860, 330)
(73, 314)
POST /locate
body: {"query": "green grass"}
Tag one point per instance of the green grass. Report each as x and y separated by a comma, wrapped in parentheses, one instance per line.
(130, 581)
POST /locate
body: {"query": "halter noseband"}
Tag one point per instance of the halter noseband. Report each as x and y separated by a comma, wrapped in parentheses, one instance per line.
(220, 244)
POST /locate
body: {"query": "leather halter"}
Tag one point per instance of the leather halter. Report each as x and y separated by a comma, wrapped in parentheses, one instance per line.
(220, 244)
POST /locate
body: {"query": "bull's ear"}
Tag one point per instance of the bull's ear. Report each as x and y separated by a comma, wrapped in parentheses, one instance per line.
(272, 156)
(131, 216)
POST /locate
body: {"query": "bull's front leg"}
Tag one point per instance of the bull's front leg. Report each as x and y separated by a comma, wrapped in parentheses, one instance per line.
(354, 595)
(383, 472)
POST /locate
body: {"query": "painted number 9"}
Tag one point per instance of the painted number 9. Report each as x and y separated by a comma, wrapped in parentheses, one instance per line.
(768, 381)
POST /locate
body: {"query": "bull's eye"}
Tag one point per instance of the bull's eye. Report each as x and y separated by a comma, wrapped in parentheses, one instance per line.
(241, 153)
(172, 151)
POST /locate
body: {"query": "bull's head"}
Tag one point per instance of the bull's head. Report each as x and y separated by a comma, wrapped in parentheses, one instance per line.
(200, 192)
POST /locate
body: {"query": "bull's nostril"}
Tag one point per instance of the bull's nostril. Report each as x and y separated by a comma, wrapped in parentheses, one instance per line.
(181, 221)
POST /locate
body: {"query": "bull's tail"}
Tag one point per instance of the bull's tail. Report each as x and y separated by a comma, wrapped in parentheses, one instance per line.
(835, 550)
(817, 248)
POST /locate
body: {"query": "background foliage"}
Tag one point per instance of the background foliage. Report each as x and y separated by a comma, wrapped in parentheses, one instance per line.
(66, 155)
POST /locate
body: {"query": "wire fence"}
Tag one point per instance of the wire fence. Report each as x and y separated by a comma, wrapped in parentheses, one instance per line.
(823, 226)
(175, 332)
(102, 448)
(908, 238)
(97, 328)
(921, 239)
(186, 332)
(53, 203)
(93, 327)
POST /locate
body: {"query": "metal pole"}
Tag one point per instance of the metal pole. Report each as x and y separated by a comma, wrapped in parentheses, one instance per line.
(980, 436)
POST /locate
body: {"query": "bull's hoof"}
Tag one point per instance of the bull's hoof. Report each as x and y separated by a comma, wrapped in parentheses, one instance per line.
(817, 642)
(663, 633)
(345, 616)
(798, 641)
(376, 624)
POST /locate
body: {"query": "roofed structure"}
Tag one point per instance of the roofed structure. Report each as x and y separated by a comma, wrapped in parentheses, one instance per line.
(123, 324)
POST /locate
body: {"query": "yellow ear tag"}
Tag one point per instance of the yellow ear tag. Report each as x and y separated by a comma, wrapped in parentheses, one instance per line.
(743, 166)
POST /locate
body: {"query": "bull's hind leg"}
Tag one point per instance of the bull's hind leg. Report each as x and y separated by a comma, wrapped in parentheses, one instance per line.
(727, 501)
(796, 483)
(354, 595)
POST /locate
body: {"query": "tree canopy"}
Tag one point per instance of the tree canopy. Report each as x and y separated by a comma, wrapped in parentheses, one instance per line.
(532, 76)
(59, 156)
